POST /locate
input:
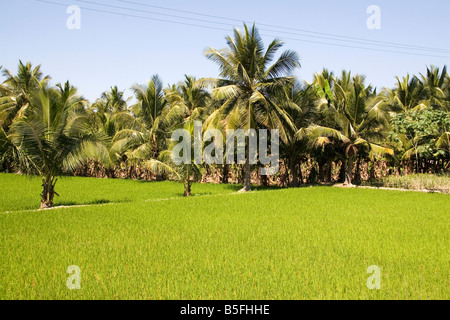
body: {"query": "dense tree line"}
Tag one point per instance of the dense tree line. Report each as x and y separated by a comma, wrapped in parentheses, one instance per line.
(336, 128)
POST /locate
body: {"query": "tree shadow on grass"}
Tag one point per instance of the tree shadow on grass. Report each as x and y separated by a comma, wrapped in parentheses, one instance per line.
(88, 203)
(237, 187)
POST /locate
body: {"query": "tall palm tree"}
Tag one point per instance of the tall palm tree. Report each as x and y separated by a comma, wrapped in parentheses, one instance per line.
(249, 82)
(52, 139)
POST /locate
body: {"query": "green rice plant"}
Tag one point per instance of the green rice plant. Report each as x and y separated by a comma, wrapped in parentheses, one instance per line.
(152, 243)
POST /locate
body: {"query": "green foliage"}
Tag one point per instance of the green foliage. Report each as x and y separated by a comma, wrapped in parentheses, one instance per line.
(416, 132)
(17, 90)
(355, 119)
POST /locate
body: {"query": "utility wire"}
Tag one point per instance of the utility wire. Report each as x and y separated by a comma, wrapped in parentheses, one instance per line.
(222, 29)
(287, 28)
(262, 29)
(361, 41)
(133, 16)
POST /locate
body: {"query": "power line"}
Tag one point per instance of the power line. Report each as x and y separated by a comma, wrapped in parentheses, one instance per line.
(221, 29)
(133, 16)
(155, 13)
(363, 42)
(287, 28)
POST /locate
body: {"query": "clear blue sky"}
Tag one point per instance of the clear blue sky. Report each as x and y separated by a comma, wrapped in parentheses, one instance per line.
(122, 50)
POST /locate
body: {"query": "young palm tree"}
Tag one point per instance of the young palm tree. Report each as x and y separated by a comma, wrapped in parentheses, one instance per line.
(248, 84)
(52, 139)
(188, 172)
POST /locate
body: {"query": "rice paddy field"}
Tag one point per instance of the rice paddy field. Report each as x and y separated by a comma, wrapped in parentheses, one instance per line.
(143, 240)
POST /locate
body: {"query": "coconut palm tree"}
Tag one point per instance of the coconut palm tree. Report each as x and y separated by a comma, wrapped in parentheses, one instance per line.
(293, 151)
(433, 84)
(408, 94)
(191, 98)
(360, 119)
(111, 101)
(52, 138)
(16, 91)
(186, 172)
(249, 82)
(119, 132)
(149, 112)
(325, 149)
(151, 101)
(155, 116)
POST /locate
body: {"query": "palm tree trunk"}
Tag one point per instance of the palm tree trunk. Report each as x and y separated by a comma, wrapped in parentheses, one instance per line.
(342, 170)
(187, 188)
(111, 173)
(48, 192)
(247, 184)
(264, 181)
(294, 177)
(329, 173)
(321, 173)
(300, 174)
(293, 170)
(372, 170)
(313, 174)
(358, 171)
(349, 171)
(225, 173)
